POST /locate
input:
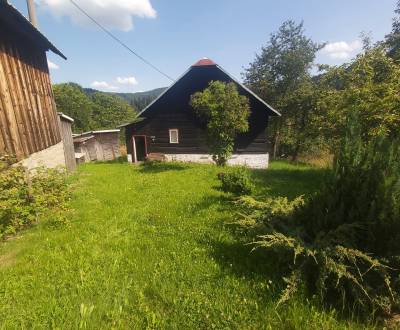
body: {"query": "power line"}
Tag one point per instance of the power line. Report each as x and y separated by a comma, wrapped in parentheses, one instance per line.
(119, 41)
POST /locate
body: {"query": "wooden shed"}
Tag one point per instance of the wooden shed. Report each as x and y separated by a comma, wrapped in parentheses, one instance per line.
(29, 126)
(97, 145)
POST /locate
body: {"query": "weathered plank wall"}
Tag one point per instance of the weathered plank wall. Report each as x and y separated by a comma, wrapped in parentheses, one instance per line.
(28, 118)
(109, 145)
(69, 152)
(192, 137)
(100, 146)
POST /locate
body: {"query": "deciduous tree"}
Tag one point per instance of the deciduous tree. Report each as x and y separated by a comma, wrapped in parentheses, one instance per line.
(279, 72)
(225, 113)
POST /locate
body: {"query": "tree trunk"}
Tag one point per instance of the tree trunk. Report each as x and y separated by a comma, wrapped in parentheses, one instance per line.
(299, 130)
(295, 155)
(276, 138)
(276, 143)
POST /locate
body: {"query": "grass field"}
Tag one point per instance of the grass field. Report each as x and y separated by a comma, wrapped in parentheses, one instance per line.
(147, 248)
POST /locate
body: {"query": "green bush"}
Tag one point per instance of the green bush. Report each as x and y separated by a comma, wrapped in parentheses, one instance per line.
(342, 244)
(25, 197)
(257, 215)
(237, 182)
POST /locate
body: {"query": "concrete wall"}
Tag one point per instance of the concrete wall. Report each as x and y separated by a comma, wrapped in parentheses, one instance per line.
(51, 157)
(249, 160)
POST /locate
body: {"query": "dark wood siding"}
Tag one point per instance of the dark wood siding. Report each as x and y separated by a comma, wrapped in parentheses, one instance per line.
(192, 136)
(28, 118)
(173, 110)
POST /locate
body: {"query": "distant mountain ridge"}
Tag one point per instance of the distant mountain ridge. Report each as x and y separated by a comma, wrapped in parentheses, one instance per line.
(138, 100)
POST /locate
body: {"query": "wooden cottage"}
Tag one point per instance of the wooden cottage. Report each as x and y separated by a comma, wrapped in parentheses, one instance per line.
(29, 127)
(97, 145)
(171, 130)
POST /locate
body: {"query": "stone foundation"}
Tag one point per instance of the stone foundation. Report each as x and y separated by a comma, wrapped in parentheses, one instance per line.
(51, 157)
(249, 160)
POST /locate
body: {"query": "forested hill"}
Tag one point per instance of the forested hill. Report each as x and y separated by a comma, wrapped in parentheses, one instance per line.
(138, 100)
(92, 109)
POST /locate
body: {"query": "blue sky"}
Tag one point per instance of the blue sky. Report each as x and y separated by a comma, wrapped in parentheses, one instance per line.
(173, 34)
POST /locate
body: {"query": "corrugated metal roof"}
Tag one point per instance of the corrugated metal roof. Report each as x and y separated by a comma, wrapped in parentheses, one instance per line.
(12, 18)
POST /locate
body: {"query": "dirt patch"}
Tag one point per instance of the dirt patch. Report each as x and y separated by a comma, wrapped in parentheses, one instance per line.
(393, 322)
(8, 259)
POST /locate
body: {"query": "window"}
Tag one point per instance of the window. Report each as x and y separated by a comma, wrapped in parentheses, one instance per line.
(173, 136)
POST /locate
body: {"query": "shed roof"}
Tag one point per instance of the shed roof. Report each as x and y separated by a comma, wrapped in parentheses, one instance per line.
(102, 131)
(17, 22)
(65, 117)
(81, 139)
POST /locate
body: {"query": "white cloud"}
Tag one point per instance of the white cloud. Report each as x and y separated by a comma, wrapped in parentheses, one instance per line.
(52, 66)
(114, 14)
(341, 50)
(127, 81)
(103, 85)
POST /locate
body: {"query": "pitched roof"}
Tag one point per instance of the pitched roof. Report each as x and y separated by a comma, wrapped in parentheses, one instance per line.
(17, 22)
(206, 63)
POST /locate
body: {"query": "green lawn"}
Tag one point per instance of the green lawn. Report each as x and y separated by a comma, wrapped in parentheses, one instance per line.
(147, 248)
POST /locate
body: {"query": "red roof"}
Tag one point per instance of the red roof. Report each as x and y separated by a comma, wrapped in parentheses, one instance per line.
(204, 62)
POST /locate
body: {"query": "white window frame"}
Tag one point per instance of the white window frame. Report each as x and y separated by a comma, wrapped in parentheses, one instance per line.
(177, 135)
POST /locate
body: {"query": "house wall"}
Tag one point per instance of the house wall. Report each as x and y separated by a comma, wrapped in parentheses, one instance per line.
(69, 152)
(248, 160)
(28, 118)
(192, 146)
(192, 137)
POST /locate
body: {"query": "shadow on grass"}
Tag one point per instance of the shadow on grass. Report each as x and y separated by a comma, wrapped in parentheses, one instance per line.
(158, 167)
(239, 259)
(234, 255)
(119, 160)
(288, 182)
(222, 202)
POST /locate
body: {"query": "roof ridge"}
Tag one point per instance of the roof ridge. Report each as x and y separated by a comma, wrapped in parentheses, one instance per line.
(205, 61)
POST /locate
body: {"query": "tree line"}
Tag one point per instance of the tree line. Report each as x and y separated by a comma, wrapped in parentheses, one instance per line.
(94, 110)
(316, 100)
